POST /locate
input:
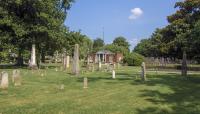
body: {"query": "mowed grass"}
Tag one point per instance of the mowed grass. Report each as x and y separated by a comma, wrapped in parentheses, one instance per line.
(162, 93)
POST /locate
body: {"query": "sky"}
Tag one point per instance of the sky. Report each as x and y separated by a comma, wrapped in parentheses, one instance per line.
(132, 19)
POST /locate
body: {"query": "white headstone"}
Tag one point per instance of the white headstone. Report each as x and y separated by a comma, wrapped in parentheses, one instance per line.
(33, 64)
(4, 81)
(68, 61)
(113, 74)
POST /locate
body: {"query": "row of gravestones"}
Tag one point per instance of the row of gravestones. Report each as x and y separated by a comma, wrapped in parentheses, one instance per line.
(143, 75)
(4, 79)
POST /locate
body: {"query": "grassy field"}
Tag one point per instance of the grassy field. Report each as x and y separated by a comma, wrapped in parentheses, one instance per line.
(162, 93)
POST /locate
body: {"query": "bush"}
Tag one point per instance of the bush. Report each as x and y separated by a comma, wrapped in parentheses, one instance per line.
(133, 59)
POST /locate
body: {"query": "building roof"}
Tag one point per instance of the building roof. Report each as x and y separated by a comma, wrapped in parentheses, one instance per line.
(104, 52)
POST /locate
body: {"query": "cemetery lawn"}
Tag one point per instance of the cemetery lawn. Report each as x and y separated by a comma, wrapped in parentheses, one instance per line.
(162, 93)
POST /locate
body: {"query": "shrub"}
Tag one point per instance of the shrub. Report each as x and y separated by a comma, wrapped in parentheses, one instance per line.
(133, 59)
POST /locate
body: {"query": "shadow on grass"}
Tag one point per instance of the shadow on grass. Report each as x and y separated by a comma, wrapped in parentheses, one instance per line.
(184, 97)
(12, 66)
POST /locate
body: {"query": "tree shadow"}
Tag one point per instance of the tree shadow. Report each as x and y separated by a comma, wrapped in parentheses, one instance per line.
(184, 97)
(12, 66)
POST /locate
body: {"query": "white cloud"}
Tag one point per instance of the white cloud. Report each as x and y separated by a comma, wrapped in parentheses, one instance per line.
(135, 13)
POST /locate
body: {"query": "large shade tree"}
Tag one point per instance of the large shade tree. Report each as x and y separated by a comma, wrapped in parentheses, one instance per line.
(27, 22)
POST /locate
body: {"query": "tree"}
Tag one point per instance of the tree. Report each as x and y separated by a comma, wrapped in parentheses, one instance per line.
(27, 22)
(97, 44)
(121, 41)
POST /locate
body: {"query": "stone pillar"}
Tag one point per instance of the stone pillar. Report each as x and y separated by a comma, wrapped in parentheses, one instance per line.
(33, 64)
(76, 69)
(113, 74)
(85, 82)
(4, 80)
(184, 64)
(143, 73)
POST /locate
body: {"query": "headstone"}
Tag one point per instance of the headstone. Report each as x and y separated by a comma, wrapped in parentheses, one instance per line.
(99, 65)
(4, 80)
(85, 82)
(62, 87)
(68, 61)
(113, 74)
(16, 78)
(184, 64)
(64, 60)
(143, 73)
(33, 64)
(76, 69)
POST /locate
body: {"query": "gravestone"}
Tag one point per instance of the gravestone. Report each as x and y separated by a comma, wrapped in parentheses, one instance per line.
(143, 73)
(99, 66)
(85, 82)
(68, 61)
(33, 64)
(16, 78)
(76, 69)
(62, 87)
(64, 60)
(113, 74)
(4, 80)
(184, 64)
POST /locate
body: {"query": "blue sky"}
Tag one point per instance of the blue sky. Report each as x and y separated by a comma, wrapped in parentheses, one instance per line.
(133, 19)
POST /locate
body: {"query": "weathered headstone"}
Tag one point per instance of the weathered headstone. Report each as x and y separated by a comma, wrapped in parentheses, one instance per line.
(85, 82)
(68, 61)
(33, 64)
(99, 66)
(16, 78)
(143, 73)
(113, 74)
(64, 60)
(4, 80)
(184, 64)
(62, 87)
(76, 69)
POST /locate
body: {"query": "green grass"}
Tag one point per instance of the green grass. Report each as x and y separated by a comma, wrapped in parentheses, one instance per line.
(162, 93)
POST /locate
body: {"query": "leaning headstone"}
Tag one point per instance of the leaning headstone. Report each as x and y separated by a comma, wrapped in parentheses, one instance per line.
(16, 78)
(76, 69)
(85, 82)
(113, 74)
(143, 73)
(4, 80)
(64, 60)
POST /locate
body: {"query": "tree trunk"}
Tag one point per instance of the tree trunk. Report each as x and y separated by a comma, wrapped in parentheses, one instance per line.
(43, 57)
(184, 64)
(20, 60)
